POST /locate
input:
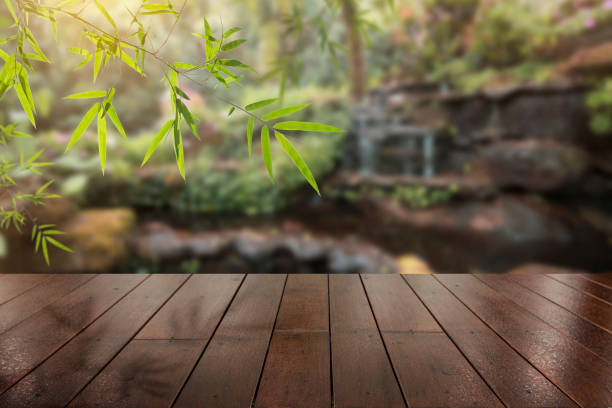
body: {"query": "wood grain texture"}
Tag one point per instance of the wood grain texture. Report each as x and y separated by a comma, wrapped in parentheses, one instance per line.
(21, 307)
(58, 379)
(430, 369)
(597, 290)
(36, 338)
(360, 379)
(602, 278)
(593, 337)
(228, 372)
(569, 365)
(587, 307)
(195, 311)
(147, 373)
(512, 378)
(12, 286)
(297, 369)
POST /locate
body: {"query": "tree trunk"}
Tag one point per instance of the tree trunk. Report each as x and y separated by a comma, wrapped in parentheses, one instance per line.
(356, 59)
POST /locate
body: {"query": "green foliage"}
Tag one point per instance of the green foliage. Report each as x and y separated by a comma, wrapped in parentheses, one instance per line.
(599, 103)
(107, 50)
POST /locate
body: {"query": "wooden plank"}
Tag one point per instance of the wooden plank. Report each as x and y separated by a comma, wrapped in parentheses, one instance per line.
(584, 285)
(569, 365)
(20, 308)
(229, 370)
(30, 342)
(297, 369)
(195, 311)
(601, 278)
(593, 337)
(58, 379)
(361, 370)
(142, 376)
(12, 286)
(587, 307)
(153, 367)
(430, 369)
(512, 378)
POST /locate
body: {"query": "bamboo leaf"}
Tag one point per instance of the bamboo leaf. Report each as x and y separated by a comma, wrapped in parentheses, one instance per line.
(102, 141)
(265, 150)
(84, 124)
(231, 110)
(157, 140)
(250, 127)
(186, 114)
(97, 62)
(86, 95)
(25, 103)
(231, 31)
(232, 44)
(112, 114)
(297, 160)
(307, 127)
(284, 112)
(207, 40)
(260, 104)
(105, 14)
(177, 139)
(57, 243)
(45, 251)
(235, 63)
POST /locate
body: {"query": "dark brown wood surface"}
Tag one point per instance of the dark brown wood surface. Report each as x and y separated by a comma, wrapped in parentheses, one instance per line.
(58, 379)
(596, 339)
(305, 341)
(589, 382)
(492, 357)
(587, 286)
(228, 373)
(297, 368)
(360, 378)
(592, 309)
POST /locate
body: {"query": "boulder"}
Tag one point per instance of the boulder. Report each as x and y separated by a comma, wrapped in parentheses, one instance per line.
(99, 239)
(534, 165)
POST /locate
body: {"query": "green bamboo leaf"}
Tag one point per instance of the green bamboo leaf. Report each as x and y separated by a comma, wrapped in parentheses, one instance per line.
(181, 93)
(25, 103)
(232, 44)
(45, 251)
(84, 124)
(265, 150)
(260, 104)
(105, 14)
(231, 110)
(57, 243)
(112, 114)
(157, 140)
(235, 63)
(102, 141)
(185, 65)
(306, 126)
(231, 31)
(284, 112)
(208, 41)
(86, 95)
(25, 85)
(250, 127)
(177, 139)
(97, 62)
(297, 160)
(130, 62)
(11, 10)
(186, 114)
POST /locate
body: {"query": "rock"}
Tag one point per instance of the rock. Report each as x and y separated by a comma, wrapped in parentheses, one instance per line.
(534, 165)
(259, 251)
(99, 239)
(492, 236)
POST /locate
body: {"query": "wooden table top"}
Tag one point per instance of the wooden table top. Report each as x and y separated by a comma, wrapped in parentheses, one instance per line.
(306, 341)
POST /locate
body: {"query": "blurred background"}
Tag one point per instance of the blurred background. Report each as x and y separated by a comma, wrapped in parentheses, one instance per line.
(479, 139)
